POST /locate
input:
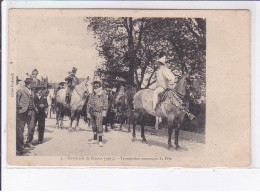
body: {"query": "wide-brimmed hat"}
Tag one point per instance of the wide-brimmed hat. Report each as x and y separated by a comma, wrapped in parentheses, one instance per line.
(28, 80)
(97, 80)
(162, 60)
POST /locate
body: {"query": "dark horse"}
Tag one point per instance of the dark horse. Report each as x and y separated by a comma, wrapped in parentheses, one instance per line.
(110, 117)
(171, 107)
(124, 105)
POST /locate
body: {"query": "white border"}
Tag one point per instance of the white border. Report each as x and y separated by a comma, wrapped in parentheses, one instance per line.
(134, 179)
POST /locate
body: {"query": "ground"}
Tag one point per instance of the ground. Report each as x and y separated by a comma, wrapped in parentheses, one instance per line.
(61, 142)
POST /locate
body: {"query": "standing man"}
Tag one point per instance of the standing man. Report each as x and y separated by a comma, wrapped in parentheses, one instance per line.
(25, 113)
(42, 105)
(72, 81)
(97, 108)
(164, 79)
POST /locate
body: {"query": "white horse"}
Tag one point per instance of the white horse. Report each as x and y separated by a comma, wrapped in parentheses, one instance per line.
(78, 99)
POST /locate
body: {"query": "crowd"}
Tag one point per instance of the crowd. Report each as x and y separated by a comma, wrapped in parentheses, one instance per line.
(31, 107)
(31, 103)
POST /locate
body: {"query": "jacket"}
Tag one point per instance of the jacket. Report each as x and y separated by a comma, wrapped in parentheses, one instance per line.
(165, 78)
(98, 101)
(72, 80)
(41, 100)
(22, 100)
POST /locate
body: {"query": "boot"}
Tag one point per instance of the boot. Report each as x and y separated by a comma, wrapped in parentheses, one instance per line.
(67, 100)
(94, 140)
(100, 143)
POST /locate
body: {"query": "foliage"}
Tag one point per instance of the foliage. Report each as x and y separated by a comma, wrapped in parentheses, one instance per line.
(130, 47)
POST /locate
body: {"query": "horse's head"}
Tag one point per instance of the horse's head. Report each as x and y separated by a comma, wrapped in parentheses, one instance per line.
(189, 86)
(193, 87)
(82, 88)
(86, 84)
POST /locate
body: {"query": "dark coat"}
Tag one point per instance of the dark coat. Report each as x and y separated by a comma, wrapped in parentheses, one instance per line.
(41, 100)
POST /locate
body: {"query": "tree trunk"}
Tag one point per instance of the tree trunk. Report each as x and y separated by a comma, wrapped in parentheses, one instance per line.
(131, 51)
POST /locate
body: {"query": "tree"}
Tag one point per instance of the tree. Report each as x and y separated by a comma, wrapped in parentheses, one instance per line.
(131, 46)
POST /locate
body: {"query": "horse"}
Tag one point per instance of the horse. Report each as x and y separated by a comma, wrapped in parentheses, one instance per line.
(51, 102)
(78, 99)
(124, 105)
(85, 114)
(110, 116)
(167, 109)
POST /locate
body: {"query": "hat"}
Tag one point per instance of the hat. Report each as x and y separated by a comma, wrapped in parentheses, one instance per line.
(35, 70)
(96, 80)
(40, 87)
(74, 69)
(28, 80)
(162, 59)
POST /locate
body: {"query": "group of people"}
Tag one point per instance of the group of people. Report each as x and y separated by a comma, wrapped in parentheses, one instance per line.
(32, 103)
(31, 106)
(98, 101)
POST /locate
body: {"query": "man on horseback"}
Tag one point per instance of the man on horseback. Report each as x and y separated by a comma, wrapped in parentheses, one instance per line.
(33, 76)
(164, 79)
(72, 81)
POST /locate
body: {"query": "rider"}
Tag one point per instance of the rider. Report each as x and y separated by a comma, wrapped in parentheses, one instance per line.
(33, 76)
(72, 81)
(164, 79)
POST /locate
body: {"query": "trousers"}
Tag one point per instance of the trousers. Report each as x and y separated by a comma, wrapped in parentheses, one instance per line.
(21, 120)
(156, 93)
(41, 126)
(31, 125)
(96, 121)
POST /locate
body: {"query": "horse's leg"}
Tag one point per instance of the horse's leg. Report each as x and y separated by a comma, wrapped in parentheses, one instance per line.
(111, 120)
(134, 124)
(72, 116)
(170, 129)
(176, 142)
(57, 119)
(89, 122)
(61, 119)
(122, 121)
(129, 120)
(142, 133)
(77, 124)
(142, 128)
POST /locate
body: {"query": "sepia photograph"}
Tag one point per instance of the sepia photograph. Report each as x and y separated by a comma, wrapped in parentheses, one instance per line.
(124, 87)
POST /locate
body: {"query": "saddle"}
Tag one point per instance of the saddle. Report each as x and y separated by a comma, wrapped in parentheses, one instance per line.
(174, 98)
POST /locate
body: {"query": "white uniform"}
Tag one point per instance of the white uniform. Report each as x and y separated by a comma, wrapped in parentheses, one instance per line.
(164, 79)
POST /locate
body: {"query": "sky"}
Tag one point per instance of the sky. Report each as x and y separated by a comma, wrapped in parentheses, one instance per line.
(53, 43)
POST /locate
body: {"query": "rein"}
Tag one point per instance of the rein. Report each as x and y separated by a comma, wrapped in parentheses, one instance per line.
(79, 93)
